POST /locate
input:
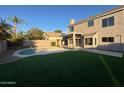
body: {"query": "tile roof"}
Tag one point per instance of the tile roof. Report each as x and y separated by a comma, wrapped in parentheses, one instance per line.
(53, 34)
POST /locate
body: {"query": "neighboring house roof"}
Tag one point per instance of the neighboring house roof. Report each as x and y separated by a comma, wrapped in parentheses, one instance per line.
(100, 15)
(52, 34)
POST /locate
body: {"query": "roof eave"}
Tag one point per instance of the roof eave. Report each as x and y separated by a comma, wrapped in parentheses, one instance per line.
(99, 15)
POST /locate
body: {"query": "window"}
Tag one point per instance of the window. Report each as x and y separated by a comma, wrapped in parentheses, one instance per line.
(108, 22)
(71, 28)
(104, 39)
(108, 39)
(104, 23)
(88, 41)
(111, 21)
(90, 23)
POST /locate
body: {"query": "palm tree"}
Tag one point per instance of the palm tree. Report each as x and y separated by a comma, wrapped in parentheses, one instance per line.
(16, 21)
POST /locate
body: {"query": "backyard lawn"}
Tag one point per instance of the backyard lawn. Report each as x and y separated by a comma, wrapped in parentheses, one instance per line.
(74, 68)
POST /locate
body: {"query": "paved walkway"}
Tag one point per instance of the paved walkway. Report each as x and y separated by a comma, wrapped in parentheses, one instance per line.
(110, 53)
(7, 57)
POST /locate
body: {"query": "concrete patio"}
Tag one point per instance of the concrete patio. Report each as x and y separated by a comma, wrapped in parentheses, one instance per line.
(109, 53)
(7, 57)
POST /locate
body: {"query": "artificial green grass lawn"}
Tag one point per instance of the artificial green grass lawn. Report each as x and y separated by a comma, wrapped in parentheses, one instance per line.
(75, 68)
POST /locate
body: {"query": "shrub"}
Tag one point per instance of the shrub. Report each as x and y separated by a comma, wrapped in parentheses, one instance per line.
(15, 42)
(53, 43)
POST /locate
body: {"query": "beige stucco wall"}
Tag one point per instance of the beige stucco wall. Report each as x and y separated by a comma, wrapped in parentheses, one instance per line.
(83, 27)
(38, 43)
(111, 31)
(41, 43)
(70, 45)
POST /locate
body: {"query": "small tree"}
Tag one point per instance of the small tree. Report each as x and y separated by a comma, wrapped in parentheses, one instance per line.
(5, 29)
(4, 25)
(34, 34)
(21, 35)
(58, 31)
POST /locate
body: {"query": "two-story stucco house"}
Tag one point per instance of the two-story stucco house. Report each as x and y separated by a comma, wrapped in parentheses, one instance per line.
(103, 31)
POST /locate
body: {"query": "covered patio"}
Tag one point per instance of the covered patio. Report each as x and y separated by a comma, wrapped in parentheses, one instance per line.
(72, 40)
(75, 39)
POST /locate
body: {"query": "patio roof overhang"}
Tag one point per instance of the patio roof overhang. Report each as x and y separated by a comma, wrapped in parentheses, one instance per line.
(89, 34)
(71, 33)
(78, 33)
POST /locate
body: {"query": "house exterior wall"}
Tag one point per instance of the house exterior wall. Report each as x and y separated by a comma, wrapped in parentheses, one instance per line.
(70, 45)
(116, 31)
(111, 30)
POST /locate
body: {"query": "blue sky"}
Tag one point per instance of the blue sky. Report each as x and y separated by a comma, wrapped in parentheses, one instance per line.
(49, 18)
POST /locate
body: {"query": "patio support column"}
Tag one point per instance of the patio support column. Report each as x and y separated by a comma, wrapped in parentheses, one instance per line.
(84, 43)
(74, 43)
(93, 42)
(68, 42)
(60, 42)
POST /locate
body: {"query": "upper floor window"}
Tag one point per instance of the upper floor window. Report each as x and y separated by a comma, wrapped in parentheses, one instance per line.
(90, 23)
(104, 23)
(71, 29)
(108, 22)
(111, 21)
